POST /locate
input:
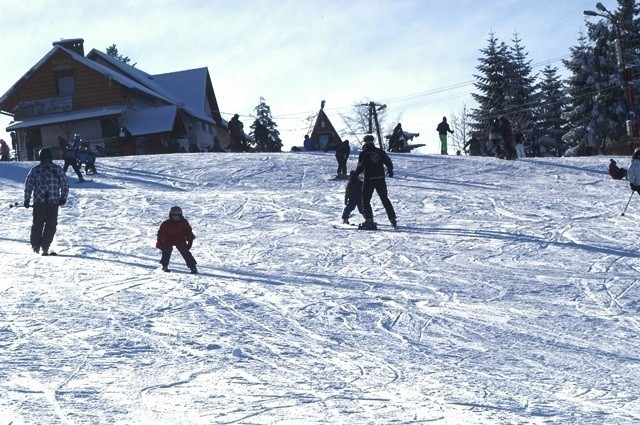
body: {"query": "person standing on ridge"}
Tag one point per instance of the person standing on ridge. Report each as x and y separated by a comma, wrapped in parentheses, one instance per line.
(372, 161)
(50, 188)
(443, 128)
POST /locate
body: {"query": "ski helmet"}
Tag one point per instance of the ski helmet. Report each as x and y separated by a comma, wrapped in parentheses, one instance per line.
(368, 138)
(45, 155)
(175, 210)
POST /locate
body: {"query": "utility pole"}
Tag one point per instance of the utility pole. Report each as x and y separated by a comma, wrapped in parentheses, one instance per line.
(373, 119)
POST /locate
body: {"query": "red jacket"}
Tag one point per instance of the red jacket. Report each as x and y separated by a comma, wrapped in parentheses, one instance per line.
(174, 233)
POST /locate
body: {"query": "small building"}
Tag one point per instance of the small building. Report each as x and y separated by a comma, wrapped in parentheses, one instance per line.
(98, 96)
(324, 135)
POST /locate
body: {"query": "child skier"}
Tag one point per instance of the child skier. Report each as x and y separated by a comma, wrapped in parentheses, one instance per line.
(352, 196)
(177, 232)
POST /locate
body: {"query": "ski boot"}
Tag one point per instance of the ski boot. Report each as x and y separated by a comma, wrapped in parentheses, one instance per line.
(368, 225)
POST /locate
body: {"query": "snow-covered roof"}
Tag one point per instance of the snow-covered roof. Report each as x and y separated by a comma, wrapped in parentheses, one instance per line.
(80, 115)
(150, 120)
(186, 89)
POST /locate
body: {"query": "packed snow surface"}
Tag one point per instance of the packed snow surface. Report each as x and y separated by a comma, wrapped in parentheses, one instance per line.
(509, 294)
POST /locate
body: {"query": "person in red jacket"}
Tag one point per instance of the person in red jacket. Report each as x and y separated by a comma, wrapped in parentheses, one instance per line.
(177, 232)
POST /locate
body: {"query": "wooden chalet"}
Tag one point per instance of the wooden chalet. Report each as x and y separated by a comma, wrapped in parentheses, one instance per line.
(98, 96)
(324, 135)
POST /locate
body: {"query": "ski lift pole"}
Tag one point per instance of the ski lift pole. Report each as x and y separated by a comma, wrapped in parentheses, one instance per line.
(375, 116)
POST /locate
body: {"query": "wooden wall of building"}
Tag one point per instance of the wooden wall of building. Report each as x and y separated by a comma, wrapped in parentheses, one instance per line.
(93, 90)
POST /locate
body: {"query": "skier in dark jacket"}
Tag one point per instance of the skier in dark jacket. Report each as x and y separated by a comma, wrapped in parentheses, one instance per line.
(372, 161)
(342, 155)
(177, 232)
(71, 160)
(507, 137)
(48, 184)
(352, 197)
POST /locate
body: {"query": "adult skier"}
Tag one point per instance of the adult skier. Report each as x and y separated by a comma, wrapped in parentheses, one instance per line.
(50, 188)
(372, 161)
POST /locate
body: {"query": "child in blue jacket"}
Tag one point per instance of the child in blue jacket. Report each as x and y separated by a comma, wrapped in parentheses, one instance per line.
(352, 196)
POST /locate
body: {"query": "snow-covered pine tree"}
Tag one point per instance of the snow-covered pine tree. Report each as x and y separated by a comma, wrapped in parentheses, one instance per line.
(583, 90)
(263, 116)
(491, 84)
(550, 126)
(520, 101)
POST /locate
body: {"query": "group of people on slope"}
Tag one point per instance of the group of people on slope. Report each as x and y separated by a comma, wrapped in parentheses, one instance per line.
(46, 189)
(77, 154)
(261, 135)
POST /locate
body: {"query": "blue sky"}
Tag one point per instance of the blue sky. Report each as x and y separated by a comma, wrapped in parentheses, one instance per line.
(417, 57)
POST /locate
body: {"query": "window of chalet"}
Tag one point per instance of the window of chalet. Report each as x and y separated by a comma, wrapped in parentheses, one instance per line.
(65, 82)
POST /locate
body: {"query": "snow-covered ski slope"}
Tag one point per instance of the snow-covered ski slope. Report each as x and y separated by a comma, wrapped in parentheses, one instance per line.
(510, 294)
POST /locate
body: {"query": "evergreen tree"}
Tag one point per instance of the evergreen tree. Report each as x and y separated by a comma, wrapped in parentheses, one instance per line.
(263, 117)
(491, 84)
(520, 101)
(113, 51)
(552, 103)
(583, 111)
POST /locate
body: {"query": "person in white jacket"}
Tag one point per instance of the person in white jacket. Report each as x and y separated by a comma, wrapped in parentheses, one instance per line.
(633, 173)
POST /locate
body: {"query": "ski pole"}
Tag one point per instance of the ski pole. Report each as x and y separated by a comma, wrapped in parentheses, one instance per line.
(625, 207)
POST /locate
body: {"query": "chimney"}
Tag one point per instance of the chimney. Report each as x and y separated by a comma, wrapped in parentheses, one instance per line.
(74, 44)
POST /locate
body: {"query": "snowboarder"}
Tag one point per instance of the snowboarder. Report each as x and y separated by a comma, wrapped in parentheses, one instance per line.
(342, 156)
(616, 173)
(443, 128)
(372, 161)
(352, 196)
(177, 232)
(50, 188)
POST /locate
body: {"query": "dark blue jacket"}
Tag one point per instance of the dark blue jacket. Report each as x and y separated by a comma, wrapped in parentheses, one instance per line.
(372, 161)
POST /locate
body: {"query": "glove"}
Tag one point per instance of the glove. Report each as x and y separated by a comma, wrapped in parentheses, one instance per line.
(189, 245)
(633, 187)
(390, 173)
(62, 201)
(26, 203)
